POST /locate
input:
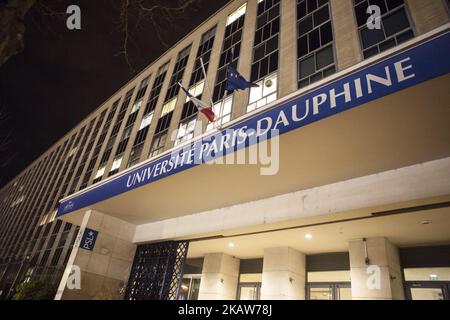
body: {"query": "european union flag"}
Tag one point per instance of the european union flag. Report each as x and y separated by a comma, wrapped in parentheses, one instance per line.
(237, 82)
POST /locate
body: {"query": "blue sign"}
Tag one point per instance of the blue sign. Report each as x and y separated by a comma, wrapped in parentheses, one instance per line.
(406, 69)
(88, 240)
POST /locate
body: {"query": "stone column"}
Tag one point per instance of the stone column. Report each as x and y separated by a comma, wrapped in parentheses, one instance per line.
(427, 15)
(105, 269)
(345, 31)
(220, 277)
(283, 275)
(287, 74)
(381, 278)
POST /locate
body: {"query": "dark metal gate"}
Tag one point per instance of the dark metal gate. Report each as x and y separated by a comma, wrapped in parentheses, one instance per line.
(157, 271)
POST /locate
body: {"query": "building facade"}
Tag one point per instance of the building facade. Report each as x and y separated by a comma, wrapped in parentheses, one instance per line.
(362, 186)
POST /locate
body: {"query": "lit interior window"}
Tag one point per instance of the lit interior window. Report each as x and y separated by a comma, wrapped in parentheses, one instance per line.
(72, 152)
(44, 220)
(146, 120)
(222, 109)
(169, 106)
(136, 106)
(265, 93)
(196, 90)
(100, 173)
(116, 164)
(186, 131)
(236, 14)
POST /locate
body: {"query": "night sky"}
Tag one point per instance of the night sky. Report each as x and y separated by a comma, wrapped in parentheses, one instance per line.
(63, 75)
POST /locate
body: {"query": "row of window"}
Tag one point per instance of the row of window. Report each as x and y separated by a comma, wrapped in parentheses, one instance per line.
(315, 61)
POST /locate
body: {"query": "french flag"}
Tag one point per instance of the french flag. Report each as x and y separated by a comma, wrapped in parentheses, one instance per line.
(203, 107)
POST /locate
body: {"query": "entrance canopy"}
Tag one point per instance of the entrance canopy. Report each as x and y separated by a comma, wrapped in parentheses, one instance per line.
(381, 115)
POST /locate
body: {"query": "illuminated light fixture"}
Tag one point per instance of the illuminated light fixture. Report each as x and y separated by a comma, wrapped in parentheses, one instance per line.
(184, 287)
(308, 236)
(433, 277)
(231, 245)
(425, 222)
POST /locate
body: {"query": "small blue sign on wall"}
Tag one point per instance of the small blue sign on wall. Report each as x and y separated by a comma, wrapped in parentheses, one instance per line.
(88, 240)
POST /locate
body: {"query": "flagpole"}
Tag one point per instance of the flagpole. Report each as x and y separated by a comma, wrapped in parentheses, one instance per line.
(207, 87)
(229, 61)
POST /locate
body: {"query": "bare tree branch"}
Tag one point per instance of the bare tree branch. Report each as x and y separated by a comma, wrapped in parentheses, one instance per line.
(132, 14)
(12, 27)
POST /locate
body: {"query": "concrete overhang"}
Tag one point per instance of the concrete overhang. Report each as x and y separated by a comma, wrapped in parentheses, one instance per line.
(404, 128)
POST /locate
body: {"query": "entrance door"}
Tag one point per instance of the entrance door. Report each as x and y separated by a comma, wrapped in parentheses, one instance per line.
(425, 290)
(157, 271)
(249, 291)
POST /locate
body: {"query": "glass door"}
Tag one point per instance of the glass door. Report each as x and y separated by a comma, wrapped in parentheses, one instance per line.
(249, 291)
(428, 290)
(190, 287)
(427, 283)
(328, 291)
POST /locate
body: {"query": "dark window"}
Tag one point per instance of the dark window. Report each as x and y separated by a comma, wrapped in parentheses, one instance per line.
(315, 41)
(135, 155)
(178, 73)
(156, 90)
(204, 52)
(395, 26)
(158, 143)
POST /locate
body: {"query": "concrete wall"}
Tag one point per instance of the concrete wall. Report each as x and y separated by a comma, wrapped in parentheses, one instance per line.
(427, 15)
(105, 270)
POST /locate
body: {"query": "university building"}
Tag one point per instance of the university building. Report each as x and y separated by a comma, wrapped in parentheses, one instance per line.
(357, 122)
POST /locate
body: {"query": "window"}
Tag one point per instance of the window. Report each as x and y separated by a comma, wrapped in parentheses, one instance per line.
(72, 152)
(315, 41)
(178, 73)
(186, 130)
(169, 106)
(122, 146)
(204, 52)
(265, 51)
(196, 90)
(56, 257)
(395, 26)
(142, 89)
(116, 165)
(146, 120)
(237, 14)
(99, 174)
(189, 114)
(158, 143)
(223, 113)
(135, 155)
(265, 93)
(156, 90)
(231, 48)
(136, 106)
(329, 285)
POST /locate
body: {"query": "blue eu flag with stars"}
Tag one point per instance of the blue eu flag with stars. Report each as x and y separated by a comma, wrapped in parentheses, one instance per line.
(237, 82)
